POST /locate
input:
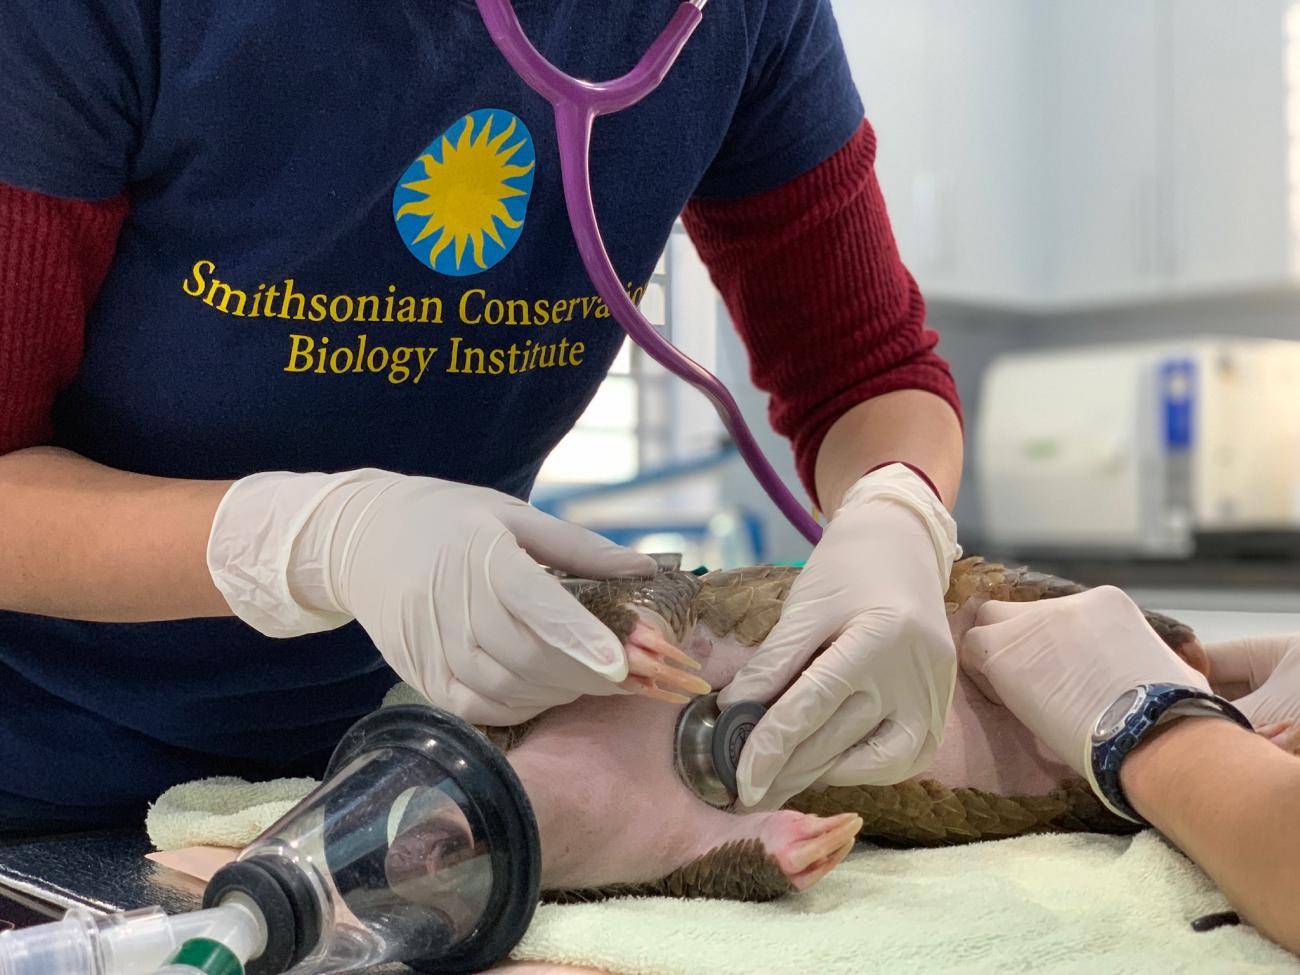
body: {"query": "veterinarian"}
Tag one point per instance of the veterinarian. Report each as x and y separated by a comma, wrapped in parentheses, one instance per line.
(290, 316)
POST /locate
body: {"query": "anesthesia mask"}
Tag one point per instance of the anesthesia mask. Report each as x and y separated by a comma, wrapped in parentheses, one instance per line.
(419, 847)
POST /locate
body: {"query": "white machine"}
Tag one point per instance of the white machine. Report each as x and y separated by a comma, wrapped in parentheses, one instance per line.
(1136, 449)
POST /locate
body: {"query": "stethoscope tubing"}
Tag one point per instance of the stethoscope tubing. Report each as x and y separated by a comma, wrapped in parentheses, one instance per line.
(576, 104)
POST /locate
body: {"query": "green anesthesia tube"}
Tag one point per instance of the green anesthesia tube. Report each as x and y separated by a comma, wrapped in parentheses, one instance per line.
(203, 956)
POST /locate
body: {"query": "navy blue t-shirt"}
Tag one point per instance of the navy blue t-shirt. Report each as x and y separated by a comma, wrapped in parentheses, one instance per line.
(347, 246)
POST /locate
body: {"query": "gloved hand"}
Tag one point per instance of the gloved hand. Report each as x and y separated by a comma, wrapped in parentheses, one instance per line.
(1268, 669)
(870, 709)
(1058, 664)
(441, 576)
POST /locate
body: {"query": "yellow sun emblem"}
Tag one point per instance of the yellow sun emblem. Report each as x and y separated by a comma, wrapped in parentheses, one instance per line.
(472, 188)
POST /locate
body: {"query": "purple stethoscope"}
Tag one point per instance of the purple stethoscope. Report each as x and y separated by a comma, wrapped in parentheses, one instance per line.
(577, 103)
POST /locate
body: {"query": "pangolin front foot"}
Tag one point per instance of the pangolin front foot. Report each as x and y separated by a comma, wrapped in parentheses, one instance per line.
(657, 667)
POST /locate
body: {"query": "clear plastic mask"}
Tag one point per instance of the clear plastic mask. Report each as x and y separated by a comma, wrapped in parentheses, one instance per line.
(418, 847)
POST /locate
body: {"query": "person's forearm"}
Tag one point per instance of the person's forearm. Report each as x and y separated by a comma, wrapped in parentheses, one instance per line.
(907, 425)
(84, 541)
(1227, 799)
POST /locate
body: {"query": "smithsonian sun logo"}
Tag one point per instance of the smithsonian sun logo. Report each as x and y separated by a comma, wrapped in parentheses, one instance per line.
(460, 207)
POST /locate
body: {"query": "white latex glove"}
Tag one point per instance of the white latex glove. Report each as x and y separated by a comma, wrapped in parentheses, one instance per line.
(1268, 669)
(441, 576)
(1058, 664)
(870, 709)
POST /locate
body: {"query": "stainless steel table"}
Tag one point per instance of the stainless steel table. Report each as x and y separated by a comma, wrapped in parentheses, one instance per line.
(103, 871)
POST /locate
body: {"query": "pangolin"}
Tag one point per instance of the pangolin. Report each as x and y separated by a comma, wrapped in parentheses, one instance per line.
(614, 819)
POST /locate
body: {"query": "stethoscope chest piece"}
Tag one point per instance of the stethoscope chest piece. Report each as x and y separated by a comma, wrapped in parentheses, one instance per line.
(707, 745)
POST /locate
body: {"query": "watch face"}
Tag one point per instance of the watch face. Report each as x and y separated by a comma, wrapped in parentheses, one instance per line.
(1112, 719)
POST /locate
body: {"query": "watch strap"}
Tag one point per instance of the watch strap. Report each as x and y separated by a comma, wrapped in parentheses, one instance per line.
(1160, 704)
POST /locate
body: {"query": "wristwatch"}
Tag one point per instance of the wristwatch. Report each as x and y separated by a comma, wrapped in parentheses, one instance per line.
(1126, 723)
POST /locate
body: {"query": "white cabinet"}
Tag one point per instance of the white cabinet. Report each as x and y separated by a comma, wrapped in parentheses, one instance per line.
(1106, 197)
(943, 83)
(1050, 156)
(1227, 143)
(1170, 126)
(989, 192)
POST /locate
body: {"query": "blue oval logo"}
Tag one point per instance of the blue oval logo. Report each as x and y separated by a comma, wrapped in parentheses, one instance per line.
(460, 206)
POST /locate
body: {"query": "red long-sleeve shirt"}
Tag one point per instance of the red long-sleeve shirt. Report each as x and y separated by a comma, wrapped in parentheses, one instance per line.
(54, 254)
(812, 277)
(810, 272)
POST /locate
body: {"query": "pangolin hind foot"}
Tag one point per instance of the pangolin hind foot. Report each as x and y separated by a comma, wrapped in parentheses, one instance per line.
(792, 851)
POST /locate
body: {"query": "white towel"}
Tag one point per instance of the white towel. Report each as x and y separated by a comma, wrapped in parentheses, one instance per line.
(1063, 904)
(1059, 904)
(220, 811)
(226, 811)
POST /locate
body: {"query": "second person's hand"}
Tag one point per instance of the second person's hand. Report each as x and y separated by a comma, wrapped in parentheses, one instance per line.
(1266, 669)
(1058, 664)
(443, 576)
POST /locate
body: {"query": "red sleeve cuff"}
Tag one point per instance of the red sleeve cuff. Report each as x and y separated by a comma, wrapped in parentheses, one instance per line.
(54, 254)
(811, 275)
